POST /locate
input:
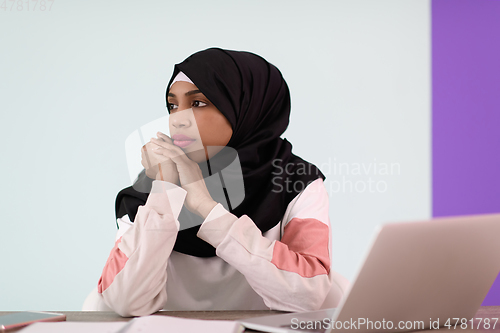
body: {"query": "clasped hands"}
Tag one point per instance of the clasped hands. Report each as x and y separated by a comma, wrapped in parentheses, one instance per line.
(165, 161)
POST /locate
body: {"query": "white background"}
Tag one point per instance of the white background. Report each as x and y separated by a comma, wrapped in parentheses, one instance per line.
(75, 81)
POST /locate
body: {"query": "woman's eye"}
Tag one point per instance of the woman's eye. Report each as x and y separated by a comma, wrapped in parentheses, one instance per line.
(172, 107)
(197, 104)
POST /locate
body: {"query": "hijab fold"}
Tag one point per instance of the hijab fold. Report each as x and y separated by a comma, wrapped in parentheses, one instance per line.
(252, 94)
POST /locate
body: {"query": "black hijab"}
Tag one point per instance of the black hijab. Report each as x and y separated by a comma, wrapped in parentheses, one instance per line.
(252, 94)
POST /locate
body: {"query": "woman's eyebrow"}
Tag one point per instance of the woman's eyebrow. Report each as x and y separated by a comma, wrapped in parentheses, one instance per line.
(191, 92)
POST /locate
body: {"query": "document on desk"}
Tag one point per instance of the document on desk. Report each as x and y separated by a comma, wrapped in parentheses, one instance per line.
(149, 324)
(75, 327)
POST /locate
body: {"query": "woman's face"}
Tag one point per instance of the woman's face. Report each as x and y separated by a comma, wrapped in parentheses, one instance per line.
(195, 123)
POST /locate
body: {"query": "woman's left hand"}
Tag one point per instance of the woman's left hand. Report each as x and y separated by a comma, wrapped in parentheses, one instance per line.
(198, 199)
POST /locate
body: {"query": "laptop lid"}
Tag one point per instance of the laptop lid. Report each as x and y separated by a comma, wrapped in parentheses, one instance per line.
(416, 273)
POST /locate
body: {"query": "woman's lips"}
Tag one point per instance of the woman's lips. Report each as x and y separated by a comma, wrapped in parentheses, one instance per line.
(182, 141)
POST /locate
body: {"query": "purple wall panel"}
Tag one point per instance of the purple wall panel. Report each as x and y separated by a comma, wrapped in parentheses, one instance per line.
(466, 110)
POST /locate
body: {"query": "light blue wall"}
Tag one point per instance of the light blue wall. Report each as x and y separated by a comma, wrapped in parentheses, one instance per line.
(75, 81)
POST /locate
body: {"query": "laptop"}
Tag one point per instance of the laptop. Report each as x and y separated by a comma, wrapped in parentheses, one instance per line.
(416, 275)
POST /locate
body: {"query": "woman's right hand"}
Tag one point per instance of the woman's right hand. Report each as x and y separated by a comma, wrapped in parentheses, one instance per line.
(157, 166)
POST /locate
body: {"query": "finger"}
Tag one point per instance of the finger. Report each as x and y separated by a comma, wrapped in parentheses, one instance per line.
(176, 156)
(147, 155)
(168, 146)
(178, 153)
(189, 172)
(164, 137)
(162, 143)
(148, 147)
(149, 158)
(165, 152)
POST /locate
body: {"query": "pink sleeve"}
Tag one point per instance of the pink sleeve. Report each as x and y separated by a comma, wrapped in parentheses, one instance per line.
(303, 248)
(292, 274)
(133, 281)
(115, 263)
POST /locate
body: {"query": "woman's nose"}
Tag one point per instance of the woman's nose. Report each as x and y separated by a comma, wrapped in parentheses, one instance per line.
(179, 120)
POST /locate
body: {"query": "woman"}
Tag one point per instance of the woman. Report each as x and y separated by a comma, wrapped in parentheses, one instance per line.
(184, 245)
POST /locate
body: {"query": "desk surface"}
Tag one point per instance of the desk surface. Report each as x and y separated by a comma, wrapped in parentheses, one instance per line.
(483, 312)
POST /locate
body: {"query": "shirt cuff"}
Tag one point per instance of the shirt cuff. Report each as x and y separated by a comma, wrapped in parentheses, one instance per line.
(216, 226)
(124, 224)
(175, 196)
